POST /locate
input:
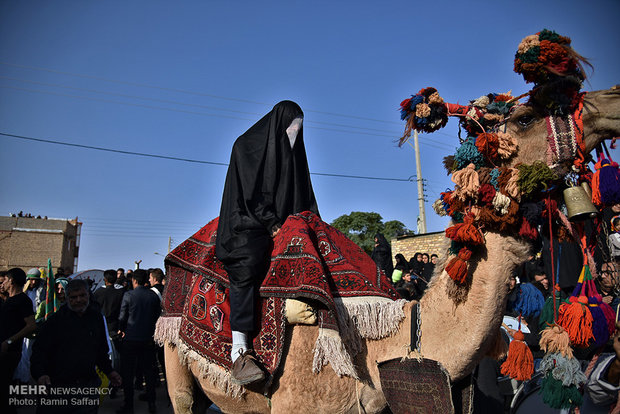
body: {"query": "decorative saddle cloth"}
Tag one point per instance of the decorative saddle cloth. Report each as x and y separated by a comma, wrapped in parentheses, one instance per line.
(310, 259)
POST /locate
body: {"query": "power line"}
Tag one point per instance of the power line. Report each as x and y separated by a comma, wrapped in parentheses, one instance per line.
(144, 85)
(194, 112)
(184, 91)
(122, 95)
(142, 154)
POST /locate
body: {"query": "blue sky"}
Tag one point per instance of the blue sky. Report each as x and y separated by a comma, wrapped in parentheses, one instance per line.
(184, 79)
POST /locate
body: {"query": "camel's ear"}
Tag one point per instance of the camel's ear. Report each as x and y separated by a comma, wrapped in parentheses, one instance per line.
(499, 349)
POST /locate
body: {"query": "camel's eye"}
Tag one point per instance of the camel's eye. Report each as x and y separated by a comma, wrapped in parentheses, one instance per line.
(525, 120)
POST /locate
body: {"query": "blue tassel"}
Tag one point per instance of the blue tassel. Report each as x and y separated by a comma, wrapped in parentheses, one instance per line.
(416, 99)
(468, 153)
(529, 301)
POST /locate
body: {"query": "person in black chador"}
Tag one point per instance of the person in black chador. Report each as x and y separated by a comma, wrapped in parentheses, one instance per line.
(267, 180)
(382, 254)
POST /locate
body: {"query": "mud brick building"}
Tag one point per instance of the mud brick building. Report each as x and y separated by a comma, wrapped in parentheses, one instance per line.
(424, 243)
(28, 242)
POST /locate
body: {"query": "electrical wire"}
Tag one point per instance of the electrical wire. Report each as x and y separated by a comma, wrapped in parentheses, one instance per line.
(143, 154)
(144, 85)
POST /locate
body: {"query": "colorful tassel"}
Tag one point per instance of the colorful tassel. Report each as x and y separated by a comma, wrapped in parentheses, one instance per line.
(488, 145)
(547, 317)
(566, 370)
(576, 318)
(562, 377)
(520, 362)
(468, 153)
(606, 183)
(457, 268)
(555, 395)
(465, 232)
(555, 340)
(467, 183)
(530, 301)
(600, 329)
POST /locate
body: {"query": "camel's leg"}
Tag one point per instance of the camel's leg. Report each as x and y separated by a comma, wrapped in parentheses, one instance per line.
(300, 390)
(180, 381)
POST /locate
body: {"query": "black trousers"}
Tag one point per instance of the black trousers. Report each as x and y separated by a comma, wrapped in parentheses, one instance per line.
(244, 300)
(247, 266)
(136, 354)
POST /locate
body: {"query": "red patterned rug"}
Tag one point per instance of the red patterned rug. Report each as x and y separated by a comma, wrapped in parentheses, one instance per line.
(310, 260)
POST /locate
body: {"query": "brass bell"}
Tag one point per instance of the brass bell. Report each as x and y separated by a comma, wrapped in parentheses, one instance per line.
(578, 202)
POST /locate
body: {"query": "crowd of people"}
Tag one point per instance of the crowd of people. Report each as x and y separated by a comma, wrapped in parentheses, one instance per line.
(76, 337)
(410, 277)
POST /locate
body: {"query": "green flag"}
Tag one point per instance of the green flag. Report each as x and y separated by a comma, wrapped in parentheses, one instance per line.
(50, 298)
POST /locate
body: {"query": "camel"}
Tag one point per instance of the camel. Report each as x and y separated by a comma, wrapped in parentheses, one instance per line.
(457, 334)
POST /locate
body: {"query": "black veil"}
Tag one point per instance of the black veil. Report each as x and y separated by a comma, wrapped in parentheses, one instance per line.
(267, 180)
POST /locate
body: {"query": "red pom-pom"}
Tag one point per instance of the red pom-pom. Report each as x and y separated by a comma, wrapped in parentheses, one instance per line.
(488, 144)
(465, 232)
(457, 268)
(487, 193)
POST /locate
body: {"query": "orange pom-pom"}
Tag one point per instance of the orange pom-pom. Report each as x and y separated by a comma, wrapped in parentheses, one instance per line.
(576, 319)
(457, 268)
(465, 232)
(520, 362)
(488, 144)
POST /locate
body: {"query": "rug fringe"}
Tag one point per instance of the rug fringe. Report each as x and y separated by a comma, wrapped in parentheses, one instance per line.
(167, 330)
(373, 317)
(215, 374)
(329, 348)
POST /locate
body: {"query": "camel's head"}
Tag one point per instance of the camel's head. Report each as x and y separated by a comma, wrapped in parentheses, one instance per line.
(516, 156)
(600, 116)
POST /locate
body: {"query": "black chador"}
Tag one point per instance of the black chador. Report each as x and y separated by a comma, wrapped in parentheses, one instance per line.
(267, 180)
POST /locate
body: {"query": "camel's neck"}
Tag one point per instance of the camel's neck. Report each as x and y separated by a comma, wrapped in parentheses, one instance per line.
(458, 335)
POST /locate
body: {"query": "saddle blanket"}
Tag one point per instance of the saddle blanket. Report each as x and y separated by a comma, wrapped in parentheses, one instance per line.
(310, 259)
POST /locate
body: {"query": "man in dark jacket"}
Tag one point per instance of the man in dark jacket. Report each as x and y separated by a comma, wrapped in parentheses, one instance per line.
(110, 298)
(70, 344)
(139, 312)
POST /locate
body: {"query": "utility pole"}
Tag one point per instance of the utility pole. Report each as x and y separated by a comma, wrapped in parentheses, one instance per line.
(418, 169)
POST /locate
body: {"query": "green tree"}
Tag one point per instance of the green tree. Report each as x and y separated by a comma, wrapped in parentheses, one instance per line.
(361, 228)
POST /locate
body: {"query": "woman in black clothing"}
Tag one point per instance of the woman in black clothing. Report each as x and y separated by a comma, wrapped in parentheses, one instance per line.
(267, 180)
(382, 254)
